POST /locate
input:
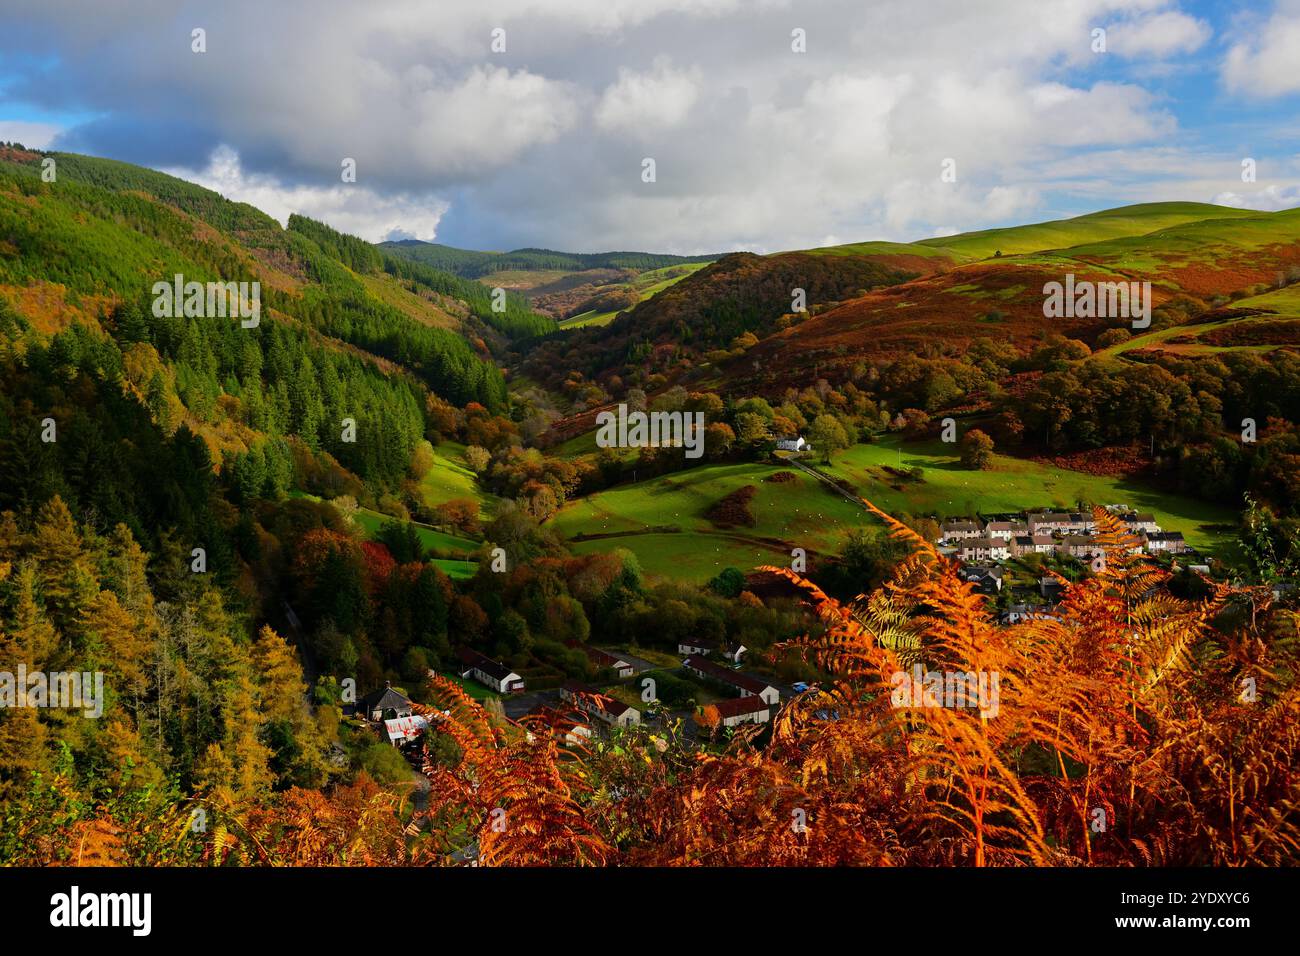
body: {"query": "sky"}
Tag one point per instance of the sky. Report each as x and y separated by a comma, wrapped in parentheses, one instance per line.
(772, 124)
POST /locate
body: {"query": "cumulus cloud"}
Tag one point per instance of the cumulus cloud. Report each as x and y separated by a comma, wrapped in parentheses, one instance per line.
(756, 145)
(346, 206)
(1264, 63)
(649, 101)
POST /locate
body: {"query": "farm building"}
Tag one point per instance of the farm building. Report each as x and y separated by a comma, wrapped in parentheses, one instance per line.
(792, 444)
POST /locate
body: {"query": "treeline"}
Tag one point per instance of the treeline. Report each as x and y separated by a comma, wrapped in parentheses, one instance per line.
(473, 264)
(516, 320)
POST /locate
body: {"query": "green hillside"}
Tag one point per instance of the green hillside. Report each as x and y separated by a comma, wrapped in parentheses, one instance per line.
(1118, 223)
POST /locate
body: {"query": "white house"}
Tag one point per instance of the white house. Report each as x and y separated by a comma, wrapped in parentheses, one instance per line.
(606, 660)
(1005, 530)
(490, 673)
(748, 685)
(696, 645)
(743, 710)
(984, 549)
(601, 706)
(792, 444)
(734, 652)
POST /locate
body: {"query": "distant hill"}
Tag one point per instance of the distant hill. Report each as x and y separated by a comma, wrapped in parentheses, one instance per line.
(938, 295)
(473, 264)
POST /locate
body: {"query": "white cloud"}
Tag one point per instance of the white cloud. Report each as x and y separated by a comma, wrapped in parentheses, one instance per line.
(31, 135)
(349, 207)
(650, 101)
(1266, 199)
(756, 145)
(1267, 62)
(1157, 35)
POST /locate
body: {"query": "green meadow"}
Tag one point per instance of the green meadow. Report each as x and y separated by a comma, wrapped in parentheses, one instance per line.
(662, 520)
(1013, 484)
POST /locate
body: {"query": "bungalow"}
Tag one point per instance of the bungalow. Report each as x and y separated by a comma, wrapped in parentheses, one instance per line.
(796, 444)
(384, 704)
(696, 645)
(748, 685)
(601, 706)
(734, 652)
(571, 732)
(960, 530)
(1171, 542)
(489, 672)
(607, 661)
(743, 710)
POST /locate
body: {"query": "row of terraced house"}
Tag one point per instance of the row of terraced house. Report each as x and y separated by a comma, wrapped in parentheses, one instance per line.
(1050, 532)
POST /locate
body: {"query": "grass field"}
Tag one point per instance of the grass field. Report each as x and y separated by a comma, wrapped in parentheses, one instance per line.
(450, 478)
(1014, 484)
(1098, 227)
(801, 513)
(662, 520)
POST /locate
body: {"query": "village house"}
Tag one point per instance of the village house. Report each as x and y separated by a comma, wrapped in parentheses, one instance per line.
(1019, 613)
(734, 652)
(1169, 542)
(983, 549)
(384, 704)
(1141, 522)
(601, 706)
(1005, 530)
(1032, 544)
(743, 710)
(607, 661)
(571, 732)
(986, 580)
(796, 444)
(1051, 589)
(490, 673)
(960, 530)
(1060, 522)
(696, 645)
(748, 685)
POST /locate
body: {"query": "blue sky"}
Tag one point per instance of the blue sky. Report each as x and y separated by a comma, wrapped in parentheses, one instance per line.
(756, 144)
